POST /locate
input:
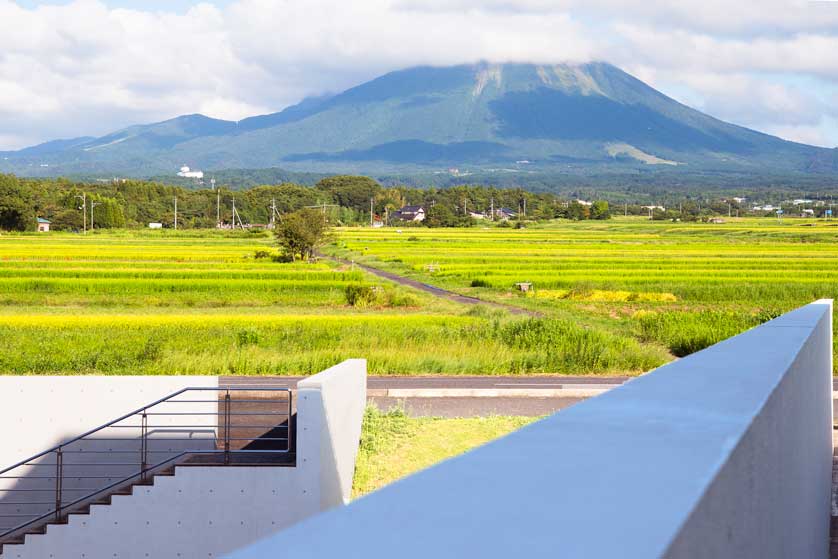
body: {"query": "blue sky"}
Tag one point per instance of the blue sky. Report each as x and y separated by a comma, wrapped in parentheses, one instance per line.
(87, 67)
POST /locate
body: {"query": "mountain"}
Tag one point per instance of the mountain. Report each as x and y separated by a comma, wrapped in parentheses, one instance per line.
(478, 118)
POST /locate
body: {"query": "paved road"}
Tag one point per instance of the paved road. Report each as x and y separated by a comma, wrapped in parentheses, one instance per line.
(466, 396)
(475, 407)
(446, 382)
(432, 289)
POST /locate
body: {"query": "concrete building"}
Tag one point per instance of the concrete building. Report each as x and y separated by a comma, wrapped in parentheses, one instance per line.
(726, 453)
(43, 225)
(196, 470)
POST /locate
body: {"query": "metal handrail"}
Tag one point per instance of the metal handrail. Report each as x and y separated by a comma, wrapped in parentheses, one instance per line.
(222, 442)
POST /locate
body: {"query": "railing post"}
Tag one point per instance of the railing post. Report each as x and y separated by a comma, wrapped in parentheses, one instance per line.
(59, 481)
(144, 445)
(227, 427)
(290, 419)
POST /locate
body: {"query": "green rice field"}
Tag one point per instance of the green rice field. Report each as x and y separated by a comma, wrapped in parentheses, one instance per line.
(677, 286)
(203, 303)
(615, 297)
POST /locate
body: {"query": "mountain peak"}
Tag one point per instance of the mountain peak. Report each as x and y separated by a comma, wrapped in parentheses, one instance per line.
(514, 116)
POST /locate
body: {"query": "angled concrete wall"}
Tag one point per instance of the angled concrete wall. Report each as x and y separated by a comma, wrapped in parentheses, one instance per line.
(330, 408)
(726, 453)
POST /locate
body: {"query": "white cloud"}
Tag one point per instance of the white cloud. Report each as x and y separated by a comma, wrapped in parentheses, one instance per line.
(86, 69)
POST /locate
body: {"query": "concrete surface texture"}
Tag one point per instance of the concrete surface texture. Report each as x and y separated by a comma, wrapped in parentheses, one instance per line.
(725, 453)
(39, 412)
(198, 512)
(206, 511)
(330, 408)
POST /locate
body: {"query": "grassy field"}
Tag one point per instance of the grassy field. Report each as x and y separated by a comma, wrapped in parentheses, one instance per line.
(617, 297)
(159, 302)
(677, 286)
(394, 445)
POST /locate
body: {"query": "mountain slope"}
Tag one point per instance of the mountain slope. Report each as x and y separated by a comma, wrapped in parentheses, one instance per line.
(591, 117)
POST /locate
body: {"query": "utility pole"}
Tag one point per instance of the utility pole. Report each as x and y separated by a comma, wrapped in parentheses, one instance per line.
(236, 215)
(274, 214)
(626, 209)
(83, 209)
(371, 212)
(93, 205)
(525, 207)
(728, 210)
(492, 211)
(217, 207)
(175, 213)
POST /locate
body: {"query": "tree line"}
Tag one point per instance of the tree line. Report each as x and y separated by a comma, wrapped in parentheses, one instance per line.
(345, 200)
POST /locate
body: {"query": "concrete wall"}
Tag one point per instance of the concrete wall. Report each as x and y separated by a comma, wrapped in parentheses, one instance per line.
(330, 408)
(208, 511)
(726, 453)
(39, 412)
(199, 512)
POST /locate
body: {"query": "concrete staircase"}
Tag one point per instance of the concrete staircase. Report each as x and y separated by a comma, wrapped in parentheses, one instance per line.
(11, 546)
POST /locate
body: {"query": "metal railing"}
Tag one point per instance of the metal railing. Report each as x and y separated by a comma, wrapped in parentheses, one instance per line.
(233, 427)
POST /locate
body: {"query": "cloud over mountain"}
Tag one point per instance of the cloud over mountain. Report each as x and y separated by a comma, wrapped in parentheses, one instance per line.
(85, 68)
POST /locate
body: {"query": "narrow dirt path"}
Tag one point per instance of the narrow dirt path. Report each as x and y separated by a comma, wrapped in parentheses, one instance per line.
(432, 289)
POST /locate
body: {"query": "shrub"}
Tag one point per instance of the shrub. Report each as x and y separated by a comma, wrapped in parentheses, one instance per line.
(247, 336)
(479, 283)
(151, 350)
(398, 298)
(360, 295)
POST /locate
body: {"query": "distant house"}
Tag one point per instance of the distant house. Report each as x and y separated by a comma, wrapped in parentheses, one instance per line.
(477, 215)
(43, 225)
(410, 213)
(505, 213)
(186, 172)
(584, 203)
(155, 225)
(807, 213)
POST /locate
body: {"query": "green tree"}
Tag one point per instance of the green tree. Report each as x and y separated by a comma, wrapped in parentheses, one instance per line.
(577, 211)
(107, 214)
(351, 191)
(599, 210)
(16, 208)
(440, 215)
(300, 233)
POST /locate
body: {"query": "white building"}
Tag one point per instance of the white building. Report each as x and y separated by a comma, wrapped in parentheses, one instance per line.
(190, 173)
